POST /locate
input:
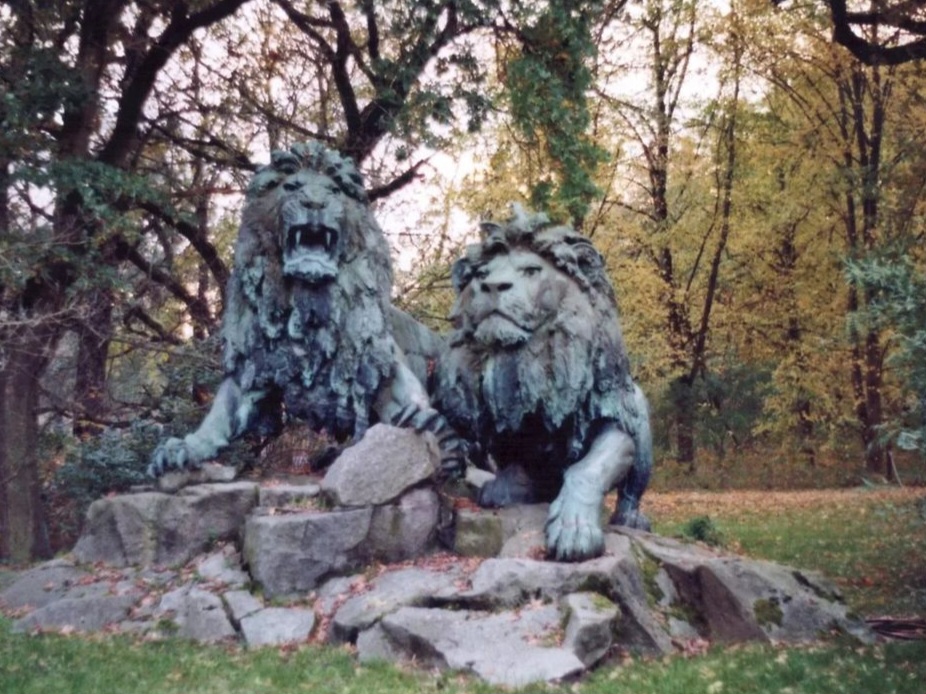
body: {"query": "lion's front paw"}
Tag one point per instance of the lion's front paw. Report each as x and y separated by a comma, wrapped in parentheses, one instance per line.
(574, 527)
(173, 454)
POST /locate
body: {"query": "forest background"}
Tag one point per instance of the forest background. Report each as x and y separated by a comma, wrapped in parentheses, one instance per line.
(756, 187)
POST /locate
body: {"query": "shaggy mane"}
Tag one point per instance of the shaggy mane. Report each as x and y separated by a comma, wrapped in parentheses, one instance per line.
(325, 349)
(567, 378)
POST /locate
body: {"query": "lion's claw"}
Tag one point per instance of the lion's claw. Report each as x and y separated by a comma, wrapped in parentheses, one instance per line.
(172, 454)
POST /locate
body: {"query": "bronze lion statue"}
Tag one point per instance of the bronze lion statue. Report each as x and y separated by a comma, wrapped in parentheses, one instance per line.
(307, 324)
(536, 376)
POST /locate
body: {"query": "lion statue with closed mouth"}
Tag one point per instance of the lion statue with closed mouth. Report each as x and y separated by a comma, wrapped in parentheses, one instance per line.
(307, 327)
(536, 376)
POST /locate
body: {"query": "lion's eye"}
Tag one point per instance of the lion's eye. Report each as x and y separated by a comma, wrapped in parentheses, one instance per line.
(531, 270)
(480, 273)
(292, 185)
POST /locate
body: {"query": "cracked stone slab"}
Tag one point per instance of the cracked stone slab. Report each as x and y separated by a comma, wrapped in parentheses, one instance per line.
(294, 553)
(512, 582)
(223, 567)
(197, 614)
(175, 480)
(85, 614)
(590, 625)
(288, 494)
(511, 649)
(44, 584)
(389, 592)
(275, 626)
(240, 604)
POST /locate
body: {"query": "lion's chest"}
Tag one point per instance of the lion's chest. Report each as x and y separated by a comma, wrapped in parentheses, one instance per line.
(325, 362)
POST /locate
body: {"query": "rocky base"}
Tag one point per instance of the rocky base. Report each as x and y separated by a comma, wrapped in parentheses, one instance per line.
(510, 621)
(268, 564)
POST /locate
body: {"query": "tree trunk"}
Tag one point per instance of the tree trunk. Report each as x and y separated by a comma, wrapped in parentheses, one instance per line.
(682, 395)
(867, 377)
(685, 437)
(23, 534)
(875, 460)
(93, 335)
(862, 134)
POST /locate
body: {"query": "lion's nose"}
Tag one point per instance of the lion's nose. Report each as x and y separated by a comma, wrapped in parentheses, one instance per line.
(498, 287)
(313, 204)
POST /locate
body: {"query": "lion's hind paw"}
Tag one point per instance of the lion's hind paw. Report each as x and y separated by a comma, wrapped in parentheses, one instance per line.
(511, 485)
(633, 519)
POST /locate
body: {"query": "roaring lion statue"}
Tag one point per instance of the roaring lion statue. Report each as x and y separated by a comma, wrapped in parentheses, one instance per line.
(537, 377)
(307, 327)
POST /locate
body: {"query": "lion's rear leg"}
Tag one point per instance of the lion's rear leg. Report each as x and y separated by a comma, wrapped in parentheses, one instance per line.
(512, 485)
(632, 486)
(573, 529)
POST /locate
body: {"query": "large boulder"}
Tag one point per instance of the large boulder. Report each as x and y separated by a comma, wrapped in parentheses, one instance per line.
(406, 529)
(741, 599)
(381, 467)
(509, 531)
(293, 553)
(152, 528)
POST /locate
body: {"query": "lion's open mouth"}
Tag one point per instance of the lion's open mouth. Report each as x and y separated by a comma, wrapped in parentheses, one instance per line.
(309, 252)
(311, 236)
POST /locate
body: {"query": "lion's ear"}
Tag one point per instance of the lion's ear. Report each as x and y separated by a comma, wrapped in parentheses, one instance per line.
(489, 228)
(287, 162)
(461, 274)
(589, 260)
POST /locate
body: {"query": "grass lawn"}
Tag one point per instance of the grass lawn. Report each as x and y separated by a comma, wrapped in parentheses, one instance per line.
(870, 542)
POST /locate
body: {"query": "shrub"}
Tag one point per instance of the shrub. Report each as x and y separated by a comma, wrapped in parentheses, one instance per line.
(703, 529)
(112, 461)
